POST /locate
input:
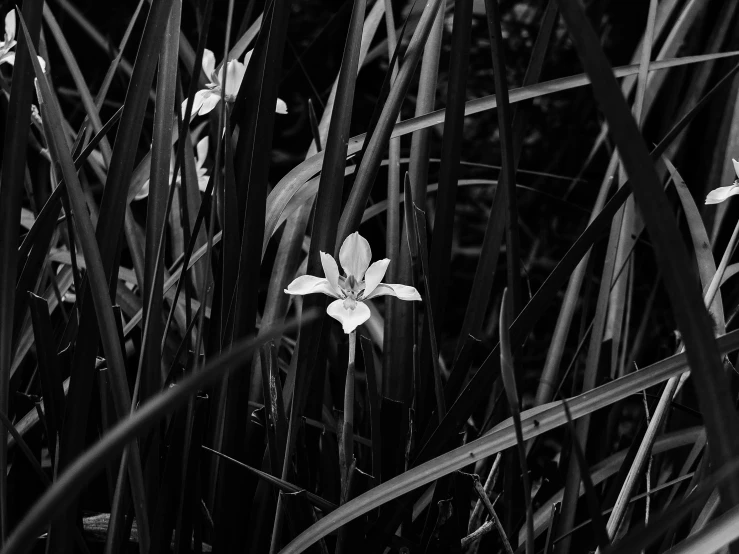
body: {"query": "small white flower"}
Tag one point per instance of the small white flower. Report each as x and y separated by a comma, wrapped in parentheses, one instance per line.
(6, 56)
(207, 99)
(36, 116)
(716, 196)
(360, 282)
(202, 173)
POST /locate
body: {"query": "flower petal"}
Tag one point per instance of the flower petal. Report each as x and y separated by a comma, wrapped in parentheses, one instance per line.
(374, 275)
(720, 194)
(209, 63)
(247, 57)
(331, 270)
(203, 179)
(10, 26)
(8, 58)
(208, 100)
(143, 191)
(402, 292)
(197, 103)
(202, 151)
(736, 167)
(281, 107)
(236, 71)
(309, 284)
(355, 255)
(350, 319)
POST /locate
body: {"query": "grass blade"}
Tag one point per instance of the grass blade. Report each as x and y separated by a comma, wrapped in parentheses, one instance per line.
(375, 403)
(98, 285)
(48, 363)
(82, 470)
(509, 382)
(288, 186)
(690, 313)
(599, 525)
(508, 172)
(284, 486)
(534, 422)
(378, 141)
(11, 187)
(325, 221)
(485, 272)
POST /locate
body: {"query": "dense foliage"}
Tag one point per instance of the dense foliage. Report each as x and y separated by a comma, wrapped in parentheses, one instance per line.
(519, 216)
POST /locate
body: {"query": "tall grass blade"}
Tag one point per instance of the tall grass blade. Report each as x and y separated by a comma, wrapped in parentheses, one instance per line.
(378, 141)
(485, 272)
(419, 220)
(690, 313)
(509, 382)
(508, 171)
(98, 286)
(708, 540)
(601, 534)
(284, 486)
(534, 422)
(283, 192)
(593, 367)
(375, 406)
(325, 222)
(84, 468)
(440, 249)
(49, 370)
(11, 188)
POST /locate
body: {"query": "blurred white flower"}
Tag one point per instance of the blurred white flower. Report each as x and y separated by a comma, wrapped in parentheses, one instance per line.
(207, 99)
(202, 173)
(716, 196)
(361, 282)
(6, 56)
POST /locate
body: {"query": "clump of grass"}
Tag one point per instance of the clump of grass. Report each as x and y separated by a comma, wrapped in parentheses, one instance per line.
(160, 392)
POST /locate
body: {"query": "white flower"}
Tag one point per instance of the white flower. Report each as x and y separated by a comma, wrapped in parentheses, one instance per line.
(720, 194)
(202, 154)
(360, 282)
(6, 56)
(207, 99)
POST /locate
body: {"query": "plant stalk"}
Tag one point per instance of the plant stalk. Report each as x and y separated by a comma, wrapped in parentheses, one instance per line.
(347, 435)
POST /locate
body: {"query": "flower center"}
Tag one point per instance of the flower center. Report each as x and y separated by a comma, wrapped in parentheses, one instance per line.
(352, 291)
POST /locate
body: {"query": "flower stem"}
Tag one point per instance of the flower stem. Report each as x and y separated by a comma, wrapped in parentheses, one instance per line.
(347, 435)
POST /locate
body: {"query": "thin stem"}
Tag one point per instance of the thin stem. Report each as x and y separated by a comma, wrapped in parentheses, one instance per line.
(346, 442)
(488, 488)
(347, 435)
(494, 519)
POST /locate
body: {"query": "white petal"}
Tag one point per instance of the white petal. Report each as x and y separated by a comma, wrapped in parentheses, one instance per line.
(720, 194)
(736, 167)
(10, 26)
(197, 103)
(203, 179)
(309, 284)
(350, 319)
(281, 107)
(208, 100)
(331, 270)
(402, 292)
(143, 191)
(209, 63)
(202, 151)
(355, 255)
(374, 275)
(8, 58)
(247, 57)
(236, 71)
